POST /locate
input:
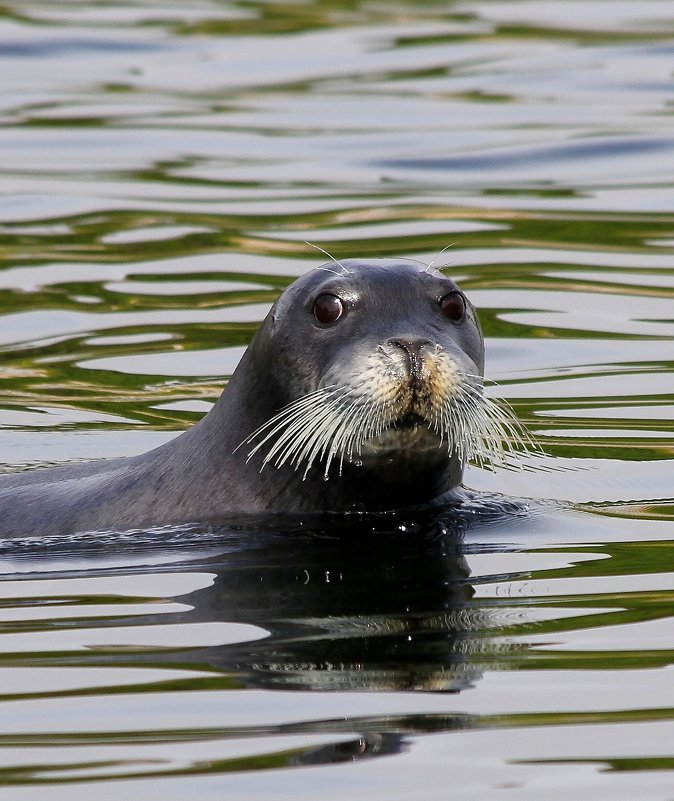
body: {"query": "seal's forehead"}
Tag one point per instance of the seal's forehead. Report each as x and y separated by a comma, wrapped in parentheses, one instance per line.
(368, 272)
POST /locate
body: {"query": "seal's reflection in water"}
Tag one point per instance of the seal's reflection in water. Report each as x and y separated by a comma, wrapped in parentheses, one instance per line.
(350, 606)
(370, 603)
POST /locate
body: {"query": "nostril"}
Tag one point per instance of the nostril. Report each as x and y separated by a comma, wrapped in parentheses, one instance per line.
(412, 345)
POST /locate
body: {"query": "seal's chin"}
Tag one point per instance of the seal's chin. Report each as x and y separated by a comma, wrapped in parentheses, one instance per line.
(411, 434)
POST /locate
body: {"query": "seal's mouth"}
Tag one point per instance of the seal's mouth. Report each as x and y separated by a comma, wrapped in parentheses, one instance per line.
(410, 433)
(408, 422)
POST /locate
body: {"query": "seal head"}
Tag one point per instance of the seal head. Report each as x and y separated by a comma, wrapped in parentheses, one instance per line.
(376, 370)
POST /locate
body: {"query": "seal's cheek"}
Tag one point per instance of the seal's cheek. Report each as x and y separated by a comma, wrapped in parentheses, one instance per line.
(474, 348)
(289, 376)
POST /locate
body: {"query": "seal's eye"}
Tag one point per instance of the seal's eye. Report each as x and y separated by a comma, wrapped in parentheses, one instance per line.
(328, 308)
(453, 306)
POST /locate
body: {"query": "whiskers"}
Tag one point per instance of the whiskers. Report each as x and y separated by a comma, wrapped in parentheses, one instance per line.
(328, 423)
(332, 425)
(481, 430)
(343, 270)
(429, 267)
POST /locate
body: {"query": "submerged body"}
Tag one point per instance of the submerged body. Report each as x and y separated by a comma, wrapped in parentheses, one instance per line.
(361, 391)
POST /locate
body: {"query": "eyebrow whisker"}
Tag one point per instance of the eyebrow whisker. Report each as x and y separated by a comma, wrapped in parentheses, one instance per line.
(329, 255)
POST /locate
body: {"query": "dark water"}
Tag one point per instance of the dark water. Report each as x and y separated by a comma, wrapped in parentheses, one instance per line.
(162, 165)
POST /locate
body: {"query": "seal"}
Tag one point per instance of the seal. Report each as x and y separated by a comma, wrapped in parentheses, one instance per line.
(361, 391)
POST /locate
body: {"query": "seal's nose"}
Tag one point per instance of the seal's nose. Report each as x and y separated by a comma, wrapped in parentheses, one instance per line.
(412, 347)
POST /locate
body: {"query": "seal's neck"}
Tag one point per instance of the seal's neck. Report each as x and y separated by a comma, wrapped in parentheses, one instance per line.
(397, 483)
